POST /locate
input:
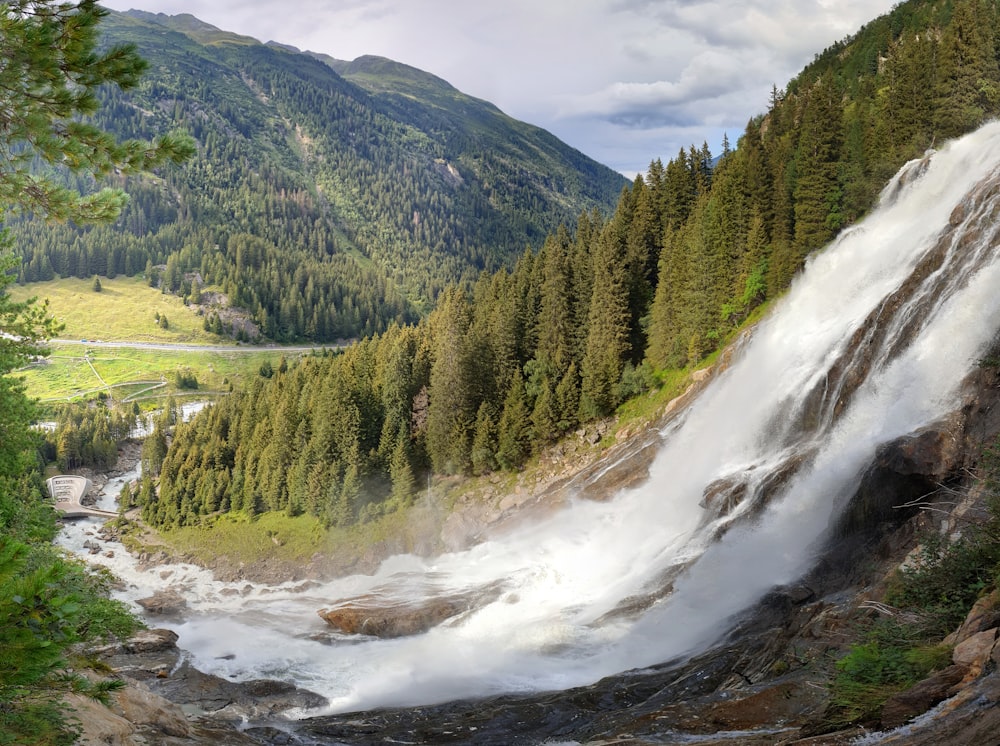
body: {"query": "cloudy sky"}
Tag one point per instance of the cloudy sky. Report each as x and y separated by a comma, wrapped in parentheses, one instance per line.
(624, 81)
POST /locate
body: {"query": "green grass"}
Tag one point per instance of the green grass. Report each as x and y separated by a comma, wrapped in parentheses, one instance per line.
(124, 310)
(128, 374)
(242, 539)
(239, 539)
(646, 407)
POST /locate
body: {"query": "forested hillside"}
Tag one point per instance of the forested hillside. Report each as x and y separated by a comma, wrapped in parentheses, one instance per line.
(592, 317)
(328, 206)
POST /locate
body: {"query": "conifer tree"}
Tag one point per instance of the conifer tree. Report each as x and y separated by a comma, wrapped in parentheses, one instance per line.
(608, 332)
(401, 472)
(48, 86)
(484, 443)
(514, 429)
(817, 196)
(968, 72)
(451, 416)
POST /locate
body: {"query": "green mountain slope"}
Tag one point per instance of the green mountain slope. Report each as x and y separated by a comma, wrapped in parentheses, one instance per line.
(329, 204)
(595, 317)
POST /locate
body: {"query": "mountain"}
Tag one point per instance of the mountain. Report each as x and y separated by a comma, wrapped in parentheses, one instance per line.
(328, 198)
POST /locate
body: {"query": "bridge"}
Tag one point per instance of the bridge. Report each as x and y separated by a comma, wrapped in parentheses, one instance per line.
(67, 491)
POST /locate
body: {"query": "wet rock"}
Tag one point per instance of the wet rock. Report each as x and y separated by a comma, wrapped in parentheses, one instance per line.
(164, 603)
(970, 717)
(724, 494)
(918, 699)
(233, 701)
(904, 473)
(628, 469)
(151, 641)
(368, 616)
(140, 706)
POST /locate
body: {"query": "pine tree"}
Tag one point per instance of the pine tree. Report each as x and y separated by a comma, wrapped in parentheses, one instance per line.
(50, 78)
(608, 333)
(453, 405)
(817, 194)
(401, 473)
(514, 429)
(484, 442)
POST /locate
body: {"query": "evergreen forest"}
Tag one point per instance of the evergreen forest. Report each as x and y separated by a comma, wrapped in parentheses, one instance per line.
(597, 312)
(327, 205)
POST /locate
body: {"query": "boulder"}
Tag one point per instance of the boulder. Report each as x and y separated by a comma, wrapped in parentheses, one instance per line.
(396, 620)
(151, 641)
(367, 615)
(974, 651)
(904, 473)
(232, 701)
(922, 696)
(140, 706)
(164, 603)
(99, 726)
(985, 614)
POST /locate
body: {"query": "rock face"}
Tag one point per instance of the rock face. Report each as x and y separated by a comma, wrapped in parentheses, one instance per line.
(169, 703)
(918, 699)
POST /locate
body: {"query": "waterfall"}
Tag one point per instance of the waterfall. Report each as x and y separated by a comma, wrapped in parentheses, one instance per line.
(870, 343)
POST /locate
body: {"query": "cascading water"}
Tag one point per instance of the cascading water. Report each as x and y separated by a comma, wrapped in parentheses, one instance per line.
(870, 343)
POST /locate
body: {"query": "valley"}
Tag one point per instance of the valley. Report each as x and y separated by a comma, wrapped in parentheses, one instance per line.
(502, 446)
(112, 341)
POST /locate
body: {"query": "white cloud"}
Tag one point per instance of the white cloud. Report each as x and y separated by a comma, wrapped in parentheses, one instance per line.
(624, 81)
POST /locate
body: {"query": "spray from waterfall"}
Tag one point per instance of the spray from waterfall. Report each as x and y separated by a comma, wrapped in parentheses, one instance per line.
(870, 344)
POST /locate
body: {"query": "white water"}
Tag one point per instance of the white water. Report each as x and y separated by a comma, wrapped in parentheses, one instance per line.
(562, 575)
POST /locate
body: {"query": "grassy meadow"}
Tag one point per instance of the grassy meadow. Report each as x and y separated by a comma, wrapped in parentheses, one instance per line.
(126, 310)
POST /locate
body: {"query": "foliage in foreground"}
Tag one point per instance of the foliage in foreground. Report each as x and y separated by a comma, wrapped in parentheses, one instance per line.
(48, 83)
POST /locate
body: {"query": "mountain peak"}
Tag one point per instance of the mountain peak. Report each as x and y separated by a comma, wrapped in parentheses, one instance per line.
(185, 23)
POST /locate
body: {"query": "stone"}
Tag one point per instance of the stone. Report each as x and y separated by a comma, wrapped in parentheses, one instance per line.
(922, 696)
(974, 651)
(151, 641)
(985, 614)
(165, 603)
(137, 704)
(99, 726)
(724, 494)
(399, 620)
(366, 615)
